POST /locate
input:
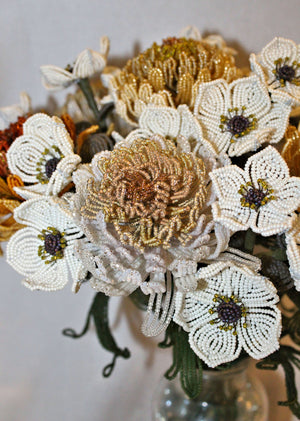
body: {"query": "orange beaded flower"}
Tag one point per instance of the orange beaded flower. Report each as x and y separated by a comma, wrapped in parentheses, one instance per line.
(170, 74)
(149, 191)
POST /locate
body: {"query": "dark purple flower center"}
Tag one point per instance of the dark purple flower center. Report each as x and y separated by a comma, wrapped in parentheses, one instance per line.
(52, 243)
(255, 196)
(238, 124)
(229, 312)
(50, 166)
(286, 73)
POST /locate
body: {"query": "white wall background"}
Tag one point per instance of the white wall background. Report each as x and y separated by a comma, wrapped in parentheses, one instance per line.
(43, 375)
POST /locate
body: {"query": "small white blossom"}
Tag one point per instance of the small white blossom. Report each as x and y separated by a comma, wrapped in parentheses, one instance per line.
(11, 113)
(279, 65)
(232, 309)
(43, 156)
(262, 197)
(86, 65)
(43, 251)
(239, 117)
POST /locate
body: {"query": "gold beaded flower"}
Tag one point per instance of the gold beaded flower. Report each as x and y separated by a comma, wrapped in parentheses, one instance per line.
(170, 74)
(149, 191)
(291, 150)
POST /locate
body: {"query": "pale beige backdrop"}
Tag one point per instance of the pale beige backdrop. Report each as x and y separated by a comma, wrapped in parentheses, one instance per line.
(43, 375)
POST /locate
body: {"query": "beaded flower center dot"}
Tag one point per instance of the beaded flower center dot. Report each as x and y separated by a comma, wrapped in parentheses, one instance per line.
(48, 163)
(285, 72)
(236, 123)
(53, 245)
(255, 197)
(230, 311)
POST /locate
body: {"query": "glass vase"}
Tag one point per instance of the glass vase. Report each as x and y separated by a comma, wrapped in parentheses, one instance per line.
(231, 395)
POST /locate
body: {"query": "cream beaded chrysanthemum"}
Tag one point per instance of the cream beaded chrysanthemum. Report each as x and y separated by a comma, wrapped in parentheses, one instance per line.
(262, 197)
(279, 65)
(292, 238)
(43, 156)
(86, 65)
(239, 117)
(43, 251)
(232, 309)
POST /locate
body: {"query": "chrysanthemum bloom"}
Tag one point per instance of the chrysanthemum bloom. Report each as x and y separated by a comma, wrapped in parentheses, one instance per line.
(43, 156)
(43, 252)
(262, 197)
(232, 309)
(120, 268)
(170, 74)
(279, 65)
(239, 117)
(292, 238)
(150, 192)
(86, 65)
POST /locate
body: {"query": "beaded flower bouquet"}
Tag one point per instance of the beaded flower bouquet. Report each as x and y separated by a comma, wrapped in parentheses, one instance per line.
(174, 181)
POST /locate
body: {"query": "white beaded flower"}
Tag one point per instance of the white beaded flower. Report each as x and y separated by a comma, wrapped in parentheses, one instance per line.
(232, 309)
(262, 197)
(292, 238)
(11, 113)
(43, 251)
(239, 117)
(178, 124)
(86, 65)
(279, 64)
(43, 156)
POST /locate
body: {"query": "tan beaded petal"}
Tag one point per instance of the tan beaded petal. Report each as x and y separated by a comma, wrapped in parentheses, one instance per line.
(150, 192)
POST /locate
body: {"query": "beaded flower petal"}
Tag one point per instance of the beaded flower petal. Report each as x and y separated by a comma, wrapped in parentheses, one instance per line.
(292, 238)
(11, 113)
(232, 309)
(279, 64)
(262, 197)
(43, 156)
(178, 124)
(43, 251)
(86, 65)
(240, 117)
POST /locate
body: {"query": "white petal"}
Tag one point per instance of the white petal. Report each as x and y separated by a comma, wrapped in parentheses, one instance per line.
(277, 119)
(11, 113)
(104, 46)
(269, 166)
(213, 100)
(261, 336)
(214, 346)
(270, 221)
(88, 63)
(250, 142)
(160, 120)
(63, 174)
(251, 93)
(190, 32)
(278, 48)
(190, 312)
(55, 78)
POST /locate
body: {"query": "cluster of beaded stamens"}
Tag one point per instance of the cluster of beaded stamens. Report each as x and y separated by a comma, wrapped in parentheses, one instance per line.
(150, 193)
(53, 245)
(255, 197)
(47, 164)
(236, 123)
(286, 72)
(230, 311)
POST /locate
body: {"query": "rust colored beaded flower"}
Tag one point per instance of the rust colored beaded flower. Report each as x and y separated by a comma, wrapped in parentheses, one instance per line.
(149, 191)
(169, 74)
